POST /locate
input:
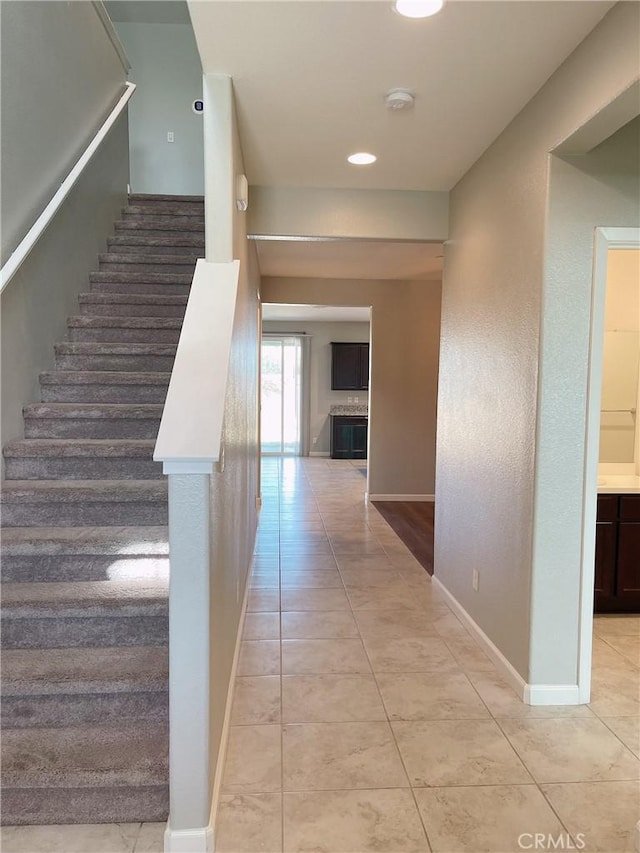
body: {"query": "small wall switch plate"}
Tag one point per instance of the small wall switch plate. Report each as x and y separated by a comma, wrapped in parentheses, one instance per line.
(170, 137)
(475, 581)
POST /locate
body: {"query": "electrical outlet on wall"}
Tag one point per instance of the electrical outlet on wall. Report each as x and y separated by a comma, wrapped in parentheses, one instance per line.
(170, 136)
(356, 399)
(475, 580)
(349, 399)
(314, 440)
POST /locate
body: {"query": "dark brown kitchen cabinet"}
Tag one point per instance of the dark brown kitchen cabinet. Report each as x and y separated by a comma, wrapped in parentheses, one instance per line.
(617, 569)
(349, 437)
(349, 367)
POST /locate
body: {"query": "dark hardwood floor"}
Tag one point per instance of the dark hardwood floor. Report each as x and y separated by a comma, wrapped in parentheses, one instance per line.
(413, 522)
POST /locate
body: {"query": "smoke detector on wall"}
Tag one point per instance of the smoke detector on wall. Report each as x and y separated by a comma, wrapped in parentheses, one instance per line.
(399, 99)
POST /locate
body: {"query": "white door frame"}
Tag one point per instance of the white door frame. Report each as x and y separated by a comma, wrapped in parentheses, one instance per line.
(605, 239)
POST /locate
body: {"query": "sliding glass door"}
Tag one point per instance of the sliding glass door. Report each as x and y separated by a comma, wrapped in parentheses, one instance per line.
(281, 394)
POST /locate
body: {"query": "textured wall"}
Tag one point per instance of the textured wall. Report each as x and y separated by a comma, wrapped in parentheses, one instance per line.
(405, 322)
(496, 493)
(321, 397)
(165, 66)
(60, 78)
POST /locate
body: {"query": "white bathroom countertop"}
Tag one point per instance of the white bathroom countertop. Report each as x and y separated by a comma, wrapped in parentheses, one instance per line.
(618, 484)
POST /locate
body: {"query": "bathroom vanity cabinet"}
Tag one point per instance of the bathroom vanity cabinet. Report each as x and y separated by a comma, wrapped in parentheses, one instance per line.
(617, 569)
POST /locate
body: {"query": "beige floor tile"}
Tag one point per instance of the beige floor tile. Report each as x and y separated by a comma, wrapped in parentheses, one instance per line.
(259, 657)
(486, 819)
(450, 627)
(331, 698)
(430, 696)
(577, 750)
(503, 701)
(323, 657)
(394, 624)
(605, 656)
(80, 838)
(397, 597)
(261, 626)
(628, 647)
(263, 600)
(414, 654)
(469, 655)
(383, 578)
(264, 580)
(256, 700)
(249, 823)
(616, 626)
(318, 625)
(458, 752)
(314, 599)
(615, 692)
(627, 729)
(307, 562)
(603, 813)
(254, 760)
(312, 578)
(327, 756)
(382, 821)
(364, 562)
(150, 838)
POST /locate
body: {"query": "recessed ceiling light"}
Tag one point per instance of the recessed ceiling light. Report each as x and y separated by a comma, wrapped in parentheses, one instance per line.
(418, 8)
(362, 158)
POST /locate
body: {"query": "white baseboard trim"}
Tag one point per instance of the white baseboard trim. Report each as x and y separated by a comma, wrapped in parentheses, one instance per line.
(319, 453)
(552, 694)
(188, 840)
(371, 497)
(531, 694)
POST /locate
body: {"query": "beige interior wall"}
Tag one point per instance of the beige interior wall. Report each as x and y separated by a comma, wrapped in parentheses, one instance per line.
(321, 397)
(618, 423)
(405, 324)
(61, 76)
(505, 468)
(235, 489)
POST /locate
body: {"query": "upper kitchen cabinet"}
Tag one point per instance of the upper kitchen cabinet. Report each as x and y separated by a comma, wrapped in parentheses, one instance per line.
(349, 367)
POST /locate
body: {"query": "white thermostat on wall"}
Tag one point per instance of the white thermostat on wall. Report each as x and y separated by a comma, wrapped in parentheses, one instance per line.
(198, 107)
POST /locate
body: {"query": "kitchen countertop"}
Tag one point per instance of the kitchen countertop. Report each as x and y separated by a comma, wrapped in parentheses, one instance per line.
(357, 409)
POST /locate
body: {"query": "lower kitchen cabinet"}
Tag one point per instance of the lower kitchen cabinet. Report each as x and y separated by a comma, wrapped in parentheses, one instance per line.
(617, 569)
(349, 437)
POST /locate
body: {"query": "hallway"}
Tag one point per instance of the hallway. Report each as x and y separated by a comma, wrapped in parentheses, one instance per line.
(367, 719)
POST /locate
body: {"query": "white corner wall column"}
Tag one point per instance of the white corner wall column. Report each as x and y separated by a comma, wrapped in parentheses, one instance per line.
(189, 642)
(219, 178)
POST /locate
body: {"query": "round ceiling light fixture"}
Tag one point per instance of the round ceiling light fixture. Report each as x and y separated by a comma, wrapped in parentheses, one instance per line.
(362, 158)
(418, 8)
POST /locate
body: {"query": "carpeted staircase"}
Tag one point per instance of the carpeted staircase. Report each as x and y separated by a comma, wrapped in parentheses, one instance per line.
(84, 542)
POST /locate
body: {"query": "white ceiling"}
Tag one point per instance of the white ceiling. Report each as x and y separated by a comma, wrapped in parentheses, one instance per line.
(310, 77)
(350, 259)
(315, 313)
(148, 11)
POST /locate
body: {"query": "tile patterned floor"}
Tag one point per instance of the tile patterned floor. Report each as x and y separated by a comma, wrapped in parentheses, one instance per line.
(366, 718)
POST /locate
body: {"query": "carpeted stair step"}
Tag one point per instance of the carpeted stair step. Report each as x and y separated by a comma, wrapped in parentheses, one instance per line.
(173, 210)
(44, 503)
(108, 773)
(141, 263)
(79, 686)
(129, 612)
(48, 554)
(138, 330)
(92, 420)
(159, 198)
(146, 284)
(162, 244)
(87, 386)
(133, 304)
(147, 358)
(81, 459)
(181, 224)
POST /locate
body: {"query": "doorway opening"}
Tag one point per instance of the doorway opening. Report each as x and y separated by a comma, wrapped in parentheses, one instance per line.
(281, 395)
(612, 468)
